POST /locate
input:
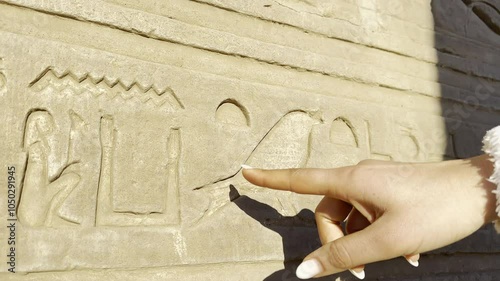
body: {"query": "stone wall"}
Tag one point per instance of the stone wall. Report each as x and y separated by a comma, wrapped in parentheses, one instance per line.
(126, 123)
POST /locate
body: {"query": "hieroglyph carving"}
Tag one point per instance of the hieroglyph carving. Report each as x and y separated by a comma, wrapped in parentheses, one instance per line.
(41, 199)
(144, 189)
(144, 193)
(232, 112)
(408, 145)
(342, 133)
(287, 144)
(68, 82)
(487, 11)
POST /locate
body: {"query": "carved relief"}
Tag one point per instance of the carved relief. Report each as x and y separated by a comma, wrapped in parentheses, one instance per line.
(3, 80)
(287, 144)
(142, 193)
(114, 151)
(69, 83)
(342, 133)
(379, 156)
(232, 112)
(138, 183)
(107, 138)
(41, 199)
(408, 145)
(78, 146)
(347, 137)
(487, 11)
(318, 7)
(78, 128)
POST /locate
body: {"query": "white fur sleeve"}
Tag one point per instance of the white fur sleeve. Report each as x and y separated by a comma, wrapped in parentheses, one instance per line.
(491, 145)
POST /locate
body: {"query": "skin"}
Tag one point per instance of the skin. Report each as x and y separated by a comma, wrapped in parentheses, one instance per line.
(422, 206)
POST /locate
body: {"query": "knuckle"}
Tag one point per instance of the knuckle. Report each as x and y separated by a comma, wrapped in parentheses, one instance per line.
(359, 173)
(294, 174)
(338, 256)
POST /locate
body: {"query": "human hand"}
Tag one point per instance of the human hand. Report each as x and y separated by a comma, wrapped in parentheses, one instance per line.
(392, 209)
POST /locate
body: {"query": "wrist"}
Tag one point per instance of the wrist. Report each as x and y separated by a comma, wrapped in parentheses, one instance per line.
(484, 169)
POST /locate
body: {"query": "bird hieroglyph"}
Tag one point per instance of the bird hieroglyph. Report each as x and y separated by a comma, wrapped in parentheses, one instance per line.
(285, 145)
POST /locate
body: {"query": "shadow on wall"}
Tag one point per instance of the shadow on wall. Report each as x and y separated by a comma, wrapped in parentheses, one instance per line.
(467, 44)
(299, 235)
(297, 232)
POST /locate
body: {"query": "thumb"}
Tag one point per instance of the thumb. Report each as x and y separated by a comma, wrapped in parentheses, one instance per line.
(375, 243)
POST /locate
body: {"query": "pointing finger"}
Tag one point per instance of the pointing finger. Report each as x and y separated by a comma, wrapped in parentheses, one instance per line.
(334, 183)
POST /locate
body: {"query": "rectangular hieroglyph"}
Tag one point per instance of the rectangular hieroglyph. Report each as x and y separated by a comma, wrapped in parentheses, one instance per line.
(139, 173)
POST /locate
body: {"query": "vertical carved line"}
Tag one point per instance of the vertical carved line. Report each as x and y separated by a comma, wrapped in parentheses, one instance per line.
(75, 134)
(3, 83)
(107, 137)
(174, 151)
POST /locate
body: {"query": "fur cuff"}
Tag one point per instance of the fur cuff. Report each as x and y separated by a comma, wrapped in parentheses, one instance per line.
(491, 145)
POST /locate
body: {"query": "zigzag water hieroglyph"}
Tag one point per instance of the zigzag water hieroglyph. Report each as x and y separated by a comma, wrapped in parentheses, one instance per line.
(69, 82)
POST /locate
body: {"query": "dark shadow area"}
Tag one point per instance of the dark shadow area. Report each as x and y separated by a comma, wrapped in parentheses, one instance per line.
(467, 44)
(468, 54)
(298, 233)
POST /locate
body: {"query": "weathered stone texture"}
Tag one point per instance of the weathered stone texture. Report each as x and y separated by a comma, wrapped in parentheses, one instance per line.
(127, 122)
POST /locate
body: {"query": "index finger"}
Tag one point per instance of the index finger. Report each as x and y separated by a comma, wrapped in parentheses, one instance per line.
(329, 182)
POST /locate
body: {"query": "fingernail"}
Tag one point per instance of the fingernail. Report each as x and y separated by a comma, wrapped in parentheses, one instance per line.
(308, 269)
(413, 260)
(360, 274)
(246, 167)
